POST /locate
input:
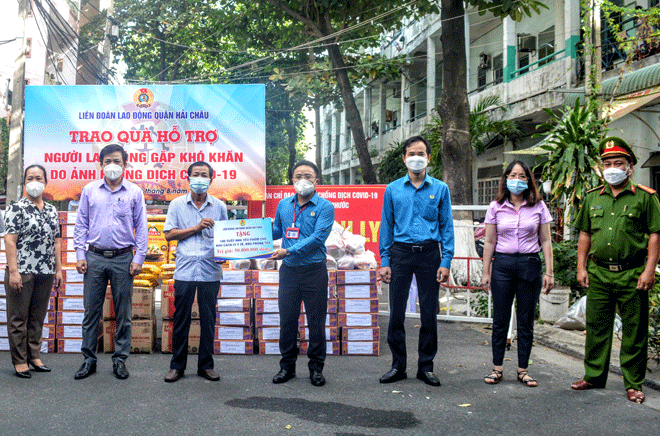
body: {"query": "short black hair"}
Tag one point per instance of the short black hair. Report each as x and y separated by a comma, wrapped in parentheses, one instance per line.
(412, 140)
(112, 148)
(35, 166)
(200, 164)
(307, 163)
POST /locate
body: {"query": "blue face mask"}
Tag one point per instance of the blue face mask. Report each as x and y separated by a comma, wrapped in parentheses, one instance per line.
(199, 185)
(516, 186)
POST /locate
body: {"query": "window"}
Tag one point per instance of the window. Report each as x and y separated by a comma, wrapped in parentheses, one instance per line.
(498, 69)
(487, 190)
(481, 78)
(546, 44)
(523, 61)
(337, 131)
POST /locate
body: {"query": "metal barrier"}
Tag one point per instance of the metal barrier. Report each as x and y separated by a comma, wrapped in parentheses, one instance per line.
(467, 290)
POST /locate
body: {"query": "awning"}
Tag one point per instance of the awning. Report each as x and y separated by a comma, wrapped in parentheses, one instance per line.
(653, 161)
(625, 104)
(534, 150)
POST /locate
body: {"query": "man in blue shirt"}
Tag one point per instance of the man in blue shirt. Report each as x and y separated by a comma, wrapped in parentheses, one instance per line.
(303, 221)
(416, 218)
(190, 220)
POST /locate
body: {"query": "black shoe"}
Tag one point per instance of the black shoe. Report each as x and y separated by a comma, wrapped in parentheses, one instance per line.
(86, 369)
(23, 374)
(42, 368)
(317, 378)
(208, 374)
(284, 376)
(173, 375)
(429, 378)
(119, 368)
(393, 375)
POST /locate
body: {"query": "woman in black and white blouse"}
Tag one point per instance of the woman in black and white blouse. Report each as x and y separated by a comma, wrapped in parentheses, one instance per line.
(34, 263)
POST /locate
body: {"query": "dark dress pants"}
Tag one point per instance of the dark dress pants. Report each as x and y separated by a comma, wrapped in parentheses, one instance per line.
(184, 296)
(404, 263)
(308, 284)
(515, 275)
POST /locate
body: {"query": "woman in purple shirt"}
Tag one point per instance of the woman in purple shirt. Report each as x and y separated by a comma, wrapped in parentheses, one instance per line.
(515, 223)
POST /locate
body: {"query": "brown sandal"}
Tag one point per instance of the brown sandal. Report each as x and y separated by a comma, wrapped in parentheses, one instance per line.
(526, 379)
(636, 396)
(494, 378)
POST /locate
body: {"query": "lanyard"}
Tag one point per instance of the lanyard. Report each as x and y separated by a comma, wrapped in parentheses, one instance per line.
(298, 214)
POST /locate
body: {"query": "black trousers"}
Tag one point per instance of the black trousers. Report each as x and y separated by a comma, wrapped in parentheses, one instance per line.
(184, 296)
(309, 284)
(404, 263)
(515, 275)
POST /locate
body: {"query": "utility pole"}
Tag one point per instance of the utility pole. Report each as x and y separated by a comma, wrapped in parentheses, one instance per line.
(15, 152)
(105, 60)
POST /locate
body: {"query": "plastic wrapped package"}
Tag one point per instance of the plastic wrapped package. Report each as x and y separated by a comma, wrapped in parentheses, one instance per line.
(335, 245)
(264, 264)
(330, 262)
(366, 260)
(575, 317)
(240, 264)
(347, 261)
(337, 228)
(354, 243)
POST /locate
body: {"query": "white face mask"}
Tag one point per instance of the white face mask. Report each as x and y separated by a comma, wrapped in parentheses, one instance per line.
(113, 171)
(416, 164)
(304, 187)
(615, 176)
(34, 189)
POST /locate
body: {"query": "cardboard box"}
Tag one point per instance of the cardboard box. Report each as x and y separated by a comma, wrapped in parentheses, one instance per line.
(234, 304)
(362, 334)
(49, 319)
(69, 345)
(3, 292)
(233, 319)
(171, 251)
(51, 304)
(71, 275)
(269, 347)
(357, 276)
(360, 348)
(267, 276)
(48, 346)
(193, 336)
(331, 334)
(71, 290)
(70, 304)
(3, 304)
(268, 333)
(236, 291)
(157, 245)
(143, 336)
(48, 332)
(332, 348)
(237, 276)
(238, 333)
(69, 258)
(67, 217)
(357, 319)
(332, 306)
(67, 231)
(266, 305)
(357, 291)
(69, 331)
(67, 244)
(167, 307)
(267, 319)
(69, 317)
(142, 302)
(4, 344)
(265, 291)
(233, 347)
(330, 320)
(358, 305)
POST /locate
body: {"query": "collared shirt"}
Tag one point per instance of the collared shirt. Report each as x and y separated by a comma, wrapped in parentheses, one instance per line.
(619, 227)
(194, 255)
(517, 230)
(416, 215)
(111, 219)
(36, 232)
(314, 219)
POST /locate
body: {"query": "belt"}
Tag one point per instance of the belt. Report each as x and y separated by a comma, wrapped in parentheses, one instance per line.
(110, 253)
(417, 247)
(621, 265)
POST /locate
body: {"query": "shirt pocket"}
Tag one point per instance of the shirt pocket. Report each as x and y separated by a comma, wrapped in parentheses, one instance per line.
(430, 211)
(596, 216)
(631, 220)
(122, 208)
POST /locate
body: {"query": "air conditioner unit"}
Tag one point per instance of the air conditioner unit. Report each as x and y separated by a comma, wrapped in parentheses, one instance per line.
(526, 43)
(484, 61)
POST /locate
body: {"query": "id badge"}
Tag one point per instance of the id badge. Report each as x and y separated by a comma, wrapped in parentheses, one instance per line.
(292, 233)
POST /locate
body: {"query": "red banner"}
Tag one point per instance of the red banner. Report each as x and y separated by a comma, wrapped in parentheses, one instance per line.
(357, 207)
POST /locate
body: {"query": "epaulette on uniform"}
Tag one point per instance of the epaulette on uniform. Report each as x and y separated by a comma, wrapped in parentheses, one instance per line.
(595, 189)
(646, 188)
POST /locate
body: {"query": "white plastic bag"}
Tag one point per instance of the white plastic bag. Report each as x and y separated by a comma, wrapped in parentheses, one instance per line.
(330, 262)
(346, 262)
(240, 264)
(335, 245)
(366, 260)
(354, 243)
(264, 264)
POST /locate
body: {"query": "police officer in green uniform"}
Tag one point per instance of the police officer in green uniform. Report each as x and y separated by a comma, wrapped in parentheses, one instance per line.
(617, 254)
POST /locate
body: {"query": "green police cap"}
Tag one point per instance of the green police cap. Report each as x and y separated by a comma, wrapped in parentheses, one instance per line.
(613, 146)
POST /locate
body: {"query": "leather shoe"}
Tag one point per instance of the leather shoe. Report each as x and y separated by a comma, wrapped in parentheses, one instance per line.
(42, 368)
(284, 376)
(429, 378)
(85, 370)
(119, 368)
(173, 375)
(317, 378)
(583, 385)
(208, 374)
(23, 374)
(393, 375)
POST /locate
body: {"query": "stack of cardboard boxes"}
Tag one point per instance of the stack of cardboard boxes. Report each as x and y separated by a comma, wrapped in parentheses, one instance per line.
(358, 312)
(331, 330)
(234, 333)
(267, 312)
(143, 331)
(70, 311)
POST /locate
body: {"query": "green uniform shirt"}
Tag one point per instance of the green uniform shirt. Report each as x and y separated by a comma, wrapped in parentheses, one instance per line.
(619, 227)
